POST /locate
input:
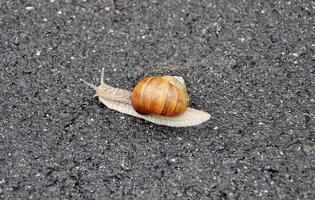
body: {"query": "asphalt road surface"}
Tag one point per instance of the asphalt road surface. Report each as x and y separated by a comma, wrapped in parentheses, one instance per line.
(248, 63)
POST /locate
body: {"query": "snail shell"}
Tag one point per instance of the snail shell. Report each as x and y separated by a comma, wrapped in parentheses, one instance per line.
(160, 96)
(121, 101)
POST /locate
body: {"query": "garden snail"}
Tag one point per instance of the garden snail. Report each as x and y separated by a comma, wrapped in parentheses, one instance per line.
(160, 100)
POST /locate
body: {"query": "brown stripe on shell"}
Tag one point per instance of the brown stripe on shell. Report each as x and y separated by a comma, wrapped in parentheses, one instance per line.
(170, 102)
(156, 92)
(182, 103)
(137, 96)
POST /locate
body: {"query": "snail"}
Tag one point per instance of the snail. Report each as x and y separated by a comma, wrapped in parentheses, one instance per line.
(160, 100)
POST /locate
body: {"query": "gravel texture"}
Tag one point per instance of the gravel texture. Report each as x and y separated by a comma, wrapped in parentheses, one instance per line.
(248, 63)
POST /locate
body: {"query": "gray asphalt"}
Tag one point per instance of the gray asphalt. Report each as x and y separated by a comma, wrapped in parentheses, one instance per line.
(248, 63)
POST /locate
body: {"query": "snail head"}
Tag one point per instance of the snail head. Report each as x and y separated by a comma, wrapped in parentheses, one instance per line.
(96, 88)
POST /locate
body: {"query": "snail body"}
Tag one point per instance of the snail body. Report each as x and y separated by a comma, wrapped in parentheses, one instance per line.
(160, 100)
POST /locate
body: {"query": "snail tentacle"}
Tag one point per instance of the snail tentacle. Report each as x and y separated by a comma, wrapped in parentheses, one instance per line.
(102, 76)
(89, 84)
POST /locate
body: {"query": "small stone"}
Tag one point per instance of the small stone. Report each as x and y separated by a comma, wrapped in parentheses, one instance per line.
(242, 39)
(141, 192)
(226, 162)
(38, 52)
(172, 160)
(295, 54)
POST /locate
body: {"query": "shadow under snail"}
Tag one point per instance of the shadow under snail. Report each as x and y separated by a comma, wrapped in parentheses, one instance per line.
(159, 99)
